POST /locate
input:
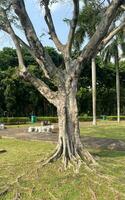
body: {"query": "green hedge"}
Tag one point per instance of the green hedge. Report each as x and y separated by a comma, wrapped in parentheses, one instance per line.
(14, 120)
(24, 120)
(85, 118)
(114, 118)
(51, 119)
(102, 117)
(55, 119)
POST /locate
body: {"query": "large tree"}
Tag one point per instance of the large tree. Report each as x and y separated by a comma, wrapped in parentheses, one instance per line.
(65, 78)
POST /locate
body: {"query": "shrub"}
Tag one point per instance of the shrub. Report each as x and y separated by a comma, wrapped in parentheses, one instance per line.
(24, 120)
(85, 118)
(14, 120)
(55, 119)
(51, 119)
(114, 118)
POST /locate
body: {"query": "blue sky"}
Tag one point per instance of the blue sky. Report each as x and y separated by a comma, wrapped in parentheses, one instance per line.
(59, 11)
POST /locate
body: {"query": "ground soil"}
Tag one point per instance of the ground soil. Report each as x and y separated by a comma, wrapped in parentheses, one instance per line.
(89, 142)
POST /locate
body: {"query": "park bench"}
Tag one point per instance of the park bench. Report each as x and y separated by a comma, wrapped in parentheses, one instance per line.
(41, 129)
(2, 126)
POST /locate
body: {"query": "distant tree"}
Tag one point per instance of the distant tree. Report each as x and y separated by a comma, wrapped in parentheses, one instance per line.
(88, 20)
(13, 88)
(112, 52)
(92, 13)
(8, 57)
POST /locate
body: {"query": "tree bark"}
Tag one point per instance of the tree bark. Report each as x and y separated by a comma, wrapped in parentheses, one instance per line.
(69, 146)
(94, 90)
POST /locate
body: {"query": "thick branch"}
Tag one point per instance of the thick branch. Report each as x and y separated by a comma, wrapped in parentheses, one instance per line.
(39, 85)
(51, 27)
(123, 7)
(50, 95)
(8, 28)
(109, 2)
(20, 10)
(5, 29)
(34, 56)
(112, 34)
(73, 25)
(91, 49)
(36, 46)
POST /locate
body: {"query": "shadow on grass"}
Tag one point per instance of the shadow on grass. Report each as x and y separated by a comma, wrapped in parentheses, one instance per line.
(104, 144)
(109, 153)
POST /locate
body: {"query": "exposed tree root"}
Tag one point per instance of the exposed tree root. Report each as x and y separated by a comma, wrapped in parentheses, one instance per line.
(85, 155)
(17, 196)
(52, 195)
(8, 187)
(94, 197)
(4, 191)
(55, 156)
(3, 150)
(70, 158)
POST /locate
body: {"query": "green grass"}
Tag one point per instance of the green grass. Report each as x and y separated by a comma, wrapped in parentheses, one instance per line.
(104, 130)
(103, 182)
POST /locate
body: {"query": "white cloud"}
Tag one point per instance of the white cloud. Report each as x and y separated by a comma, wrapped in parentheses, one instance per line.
(57, 6)
(64, 3)
(81, 4)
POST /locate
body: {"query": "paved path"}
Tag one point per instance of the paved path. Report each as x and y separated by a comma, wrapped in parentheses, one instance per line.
(92, 142)
(22, 133)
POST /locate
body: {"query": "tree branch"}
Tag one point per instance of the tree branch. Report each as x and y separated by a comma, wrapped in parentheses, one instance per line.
(8, 28)
(92, 47)
(50, 95)
(112, 34)
(123, 7)
(5, 29)
(40, 85)
(20, 10)
(51, 27)
(109, 2)
(39, 51)
(34, 56)
(73, 24)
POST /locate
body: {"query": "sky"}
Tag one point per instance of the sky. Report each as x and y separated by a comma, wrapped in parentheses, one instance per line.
(60, 11)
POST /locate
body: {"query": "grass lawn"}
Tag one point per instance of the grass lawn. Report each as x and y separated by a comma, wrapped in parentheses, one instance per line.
(104, 129)
(22, 176)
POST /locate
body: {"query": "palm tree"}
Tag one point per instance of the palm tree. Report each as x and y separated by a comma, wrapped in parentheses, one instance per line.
(92, 12)
(112, 51)
(88, 19)
(93, 69)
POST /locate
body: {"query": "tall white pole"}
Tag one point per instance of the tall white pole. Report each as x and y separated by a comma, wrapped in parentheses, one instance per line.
(93, 66)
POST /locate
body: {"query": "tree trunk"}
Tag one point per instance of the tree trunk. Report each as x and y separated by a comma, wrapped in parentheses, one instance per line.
(117, 87)
(69, 145)
(94, 90)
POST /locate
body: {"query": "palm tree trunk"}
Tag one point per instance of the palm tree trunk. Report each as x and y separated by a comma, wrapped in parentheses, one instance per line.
(117, 87)
(93, 66)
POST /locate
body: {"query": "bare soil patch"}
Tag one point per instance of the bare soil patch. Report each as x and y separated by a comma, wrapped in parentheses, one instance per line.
(89, 142)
